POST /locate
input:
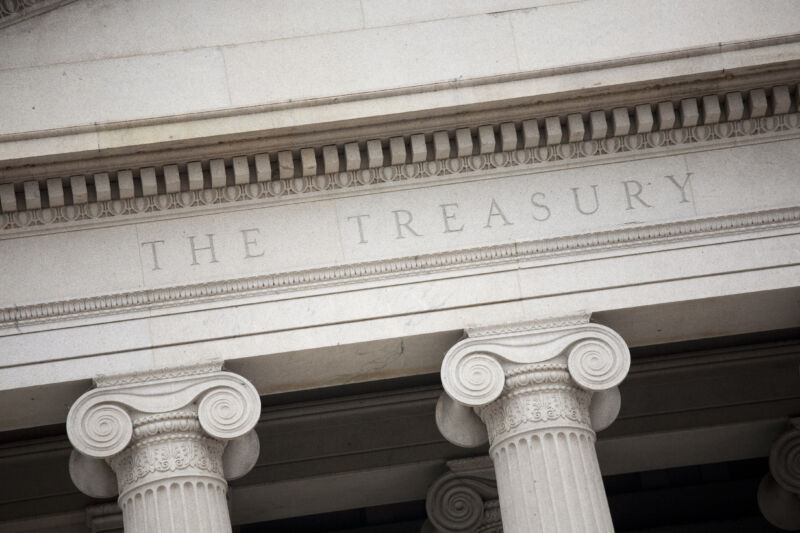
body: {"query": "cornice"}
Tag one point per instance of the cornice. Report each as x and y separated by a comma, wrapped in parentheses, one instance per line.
(393, 268)
(532, 145)
(14, 11)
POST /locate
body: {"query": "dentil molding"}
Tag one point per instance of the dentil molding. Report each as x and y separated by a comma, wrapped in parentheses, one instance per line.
(533, 145)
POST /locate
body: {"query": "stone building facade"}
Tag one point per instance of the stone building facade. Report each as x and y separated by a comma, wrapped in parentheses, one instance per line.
(360, 265)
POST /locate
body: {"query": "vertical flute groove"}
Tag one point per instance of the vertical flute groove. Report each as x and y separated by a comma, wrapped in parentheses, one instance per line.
(542, 445)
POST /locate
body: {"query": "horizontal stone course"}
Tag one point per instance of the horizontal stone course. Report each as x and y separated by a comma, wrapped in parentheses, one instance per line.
(483, 139)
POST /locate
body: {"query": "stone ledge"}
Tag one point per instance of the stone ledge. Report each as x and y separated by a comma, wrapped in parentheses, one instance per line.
(536, 142)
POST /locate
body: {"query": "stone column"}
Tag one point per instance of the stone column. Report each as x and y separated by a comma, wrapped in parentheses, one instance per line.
(779, 491)
(166, 442)
(541, 390)
(464, 499)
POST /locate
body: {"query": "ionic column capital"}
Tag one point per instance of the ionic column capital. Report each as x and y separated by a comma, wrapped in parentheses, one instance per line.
(779, 491)
(538, 392)
(464, 499)
(493, 361)
(166, 441)
(99, 423)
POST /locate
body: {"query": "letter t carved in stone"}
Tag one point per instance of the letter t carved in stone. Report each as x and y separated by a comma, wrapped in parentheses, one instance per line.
(538, 392)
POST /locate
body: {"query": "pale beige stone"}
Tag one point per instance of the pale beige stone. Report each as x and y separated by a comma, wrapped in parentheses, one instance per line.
(147, 176)
(781, 101)
(196, 411)
(397, 150)
(194, 171)
(499, 372)
(690, 114)
(77, 185)
(8, 198)
(330, 158)
(486, 140)
(552, 128)
(125, 184)
(441, 145)
(374, 153)
(644, 118)
(757, 103)
(508, 137)
(620, 121)
(285, 165)
(734, 106)
(308, 161)
(530, 133)
(263, 168)
(712, 112)
(172, 179)
(463, 142)
(419, 148)
(352, 156)
(33, 198)
(55, 192)
(575, 128)
(102, 187)
(241, 170)
(598, 125)
(55, 96)
(218, 173)
(665, 113)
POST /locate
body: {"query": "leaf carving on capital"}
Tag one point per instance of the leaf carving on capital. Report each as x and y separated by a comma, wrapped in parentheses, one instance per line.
(474, 370)
(167, 454)
(538, 407)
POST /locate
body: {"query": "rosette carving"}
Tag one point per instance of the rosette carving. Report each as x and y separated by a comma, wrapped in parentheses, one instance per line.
(229, 411)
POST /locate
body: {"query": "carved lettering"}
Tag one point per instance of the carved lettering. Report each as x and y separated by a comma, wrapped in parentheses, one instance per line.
(534, 197)
(248, 243)
(209, 248)
(361, 239)
(447, 217)
(495, 211)
(578, 201)
(635, 193)
(407, 224)
(681, 188)
(153, 250)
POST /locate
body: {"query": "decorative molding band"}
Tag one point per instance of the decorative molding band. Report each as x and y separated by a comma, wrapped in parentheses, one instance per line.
(374, 270)
(14, 11)
(537, 144)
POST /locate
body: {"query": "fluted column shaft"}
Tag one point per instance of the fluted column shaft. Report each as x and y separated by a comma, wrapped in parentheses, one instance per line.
(543, 451)
(540, 391)
(170, 477)
(171, 440)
